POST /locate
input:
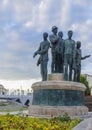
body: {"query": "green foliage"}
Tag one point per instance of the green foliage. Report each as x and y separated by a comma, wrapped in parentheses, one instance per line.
(83, 80)
(14, 122)
(3, 104)
(65, 117)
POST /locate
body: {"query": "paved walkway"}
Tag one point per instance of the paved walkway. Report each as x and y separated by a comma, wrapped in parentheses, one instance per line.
(86, 124)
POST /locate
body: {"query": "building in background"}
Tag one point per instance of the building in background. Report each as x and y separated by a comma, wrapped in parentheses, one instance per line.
(3, 91)
(20, 92)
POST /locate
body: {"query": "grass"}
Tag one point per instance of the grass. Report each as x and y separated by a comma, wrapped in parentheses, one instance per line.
(9, 107)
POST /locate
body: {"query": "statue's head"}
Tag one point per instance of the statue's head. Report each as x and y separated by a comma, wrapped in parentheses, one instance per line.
(54, 29)
(70, 33)
(78, 44)
(60, 34)
(45, 35)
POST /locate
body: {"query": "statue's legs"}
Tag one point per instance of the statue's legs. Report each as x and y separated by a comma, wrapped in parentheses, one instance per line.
(62, 65)
(75, 74)
(44, 70)
(70, 73)
(70, 67)
(66, 67)
(52, 67)
(78, 73)
(62, 68)
(53, 64)
(59, 64)
(68, 63)
(41, 70)
(66, 72)
(56, 63)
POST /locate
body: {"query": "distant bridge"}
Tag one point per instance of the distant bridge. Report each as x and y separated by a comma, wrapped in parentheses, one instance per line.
(24, 100)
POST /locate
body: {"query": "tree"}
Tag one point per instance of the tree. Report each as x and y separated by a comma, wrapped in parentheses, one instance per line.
(83, 80)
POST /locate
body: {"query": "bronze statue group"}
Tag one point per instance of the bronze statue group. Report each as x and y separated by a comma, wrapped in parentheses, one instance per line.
(66, 55)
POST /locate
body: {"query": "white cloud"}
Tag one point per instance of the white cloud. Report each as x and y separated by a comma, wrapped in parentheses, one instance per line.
(41, 15)
(22, 9)
(28, 24)
(88, 68)
(5, 2)
(65, 13)
(4, 5)
(82, 3)
(83, 29)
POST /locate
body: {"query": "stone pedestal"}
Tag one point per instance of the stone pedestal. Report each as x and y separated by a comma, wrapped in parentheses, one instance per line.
(56, 97)
(55, 77)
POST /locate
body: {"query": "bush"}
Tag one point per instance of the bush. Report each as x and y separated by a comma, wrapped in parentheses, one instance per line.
(83, 80)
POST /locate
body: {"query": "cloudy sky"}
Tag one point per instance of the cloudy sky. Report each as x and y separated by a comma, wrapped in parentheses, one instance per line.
(22, 23)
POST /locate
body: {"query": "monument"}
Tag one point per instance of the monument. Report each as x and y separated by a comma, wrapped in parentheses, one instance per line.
(69, 47)
(43, 59)
(77, 61)
(58, 95)
(60, 53)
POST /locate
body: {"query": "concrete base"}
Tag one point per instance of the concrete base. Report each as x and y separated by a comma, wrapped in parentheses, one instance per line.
(54, 111)
(58, 93)
(63, 85)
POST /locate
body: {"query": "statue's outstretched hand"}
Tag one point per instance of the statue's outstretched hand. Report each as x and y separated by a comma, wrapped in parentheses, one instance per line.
(34, 55)
(88, 56)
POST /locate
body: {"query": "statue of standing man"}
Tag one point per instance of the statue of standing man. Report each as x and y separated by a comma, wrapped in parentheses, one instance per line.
(43, 59)
(54, 38)
(69, 47)
(77, 61)
(60, 49)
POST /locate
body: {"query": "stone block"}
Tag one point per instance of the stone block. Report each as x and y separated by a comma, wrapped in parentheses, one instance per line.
(55, 76)
(54, 111)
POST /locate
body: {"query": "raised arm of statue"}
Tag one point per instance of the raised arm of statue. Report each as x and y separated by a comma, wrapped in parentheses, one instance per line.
(87, 56)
